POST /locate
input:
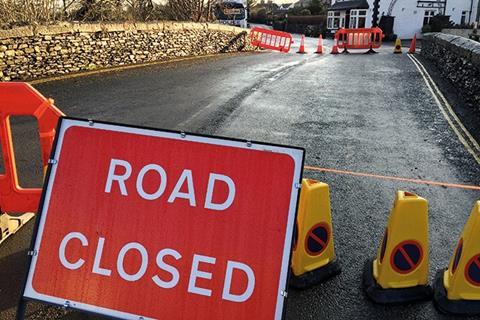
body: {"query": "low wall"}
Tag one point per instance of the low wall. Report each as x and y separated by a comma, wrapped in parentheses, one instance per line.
(36, 52)
(458, 32)
(458, 59)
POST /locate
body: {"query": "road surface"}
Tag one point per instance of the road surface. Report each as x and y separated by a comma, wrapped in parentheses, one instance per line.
(363, 113)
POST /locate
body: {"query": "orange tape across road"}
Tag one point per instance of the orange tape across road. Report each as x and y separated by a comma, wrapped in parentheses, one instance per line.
(377, 176)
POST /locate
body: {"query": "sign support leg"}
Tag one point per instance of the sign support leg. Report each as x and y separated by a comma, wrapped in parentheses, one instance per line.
(21, 308)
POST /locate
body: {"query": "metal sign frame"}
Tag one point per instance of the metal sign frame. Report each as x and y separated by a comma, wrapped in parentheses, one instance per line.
(296, 153)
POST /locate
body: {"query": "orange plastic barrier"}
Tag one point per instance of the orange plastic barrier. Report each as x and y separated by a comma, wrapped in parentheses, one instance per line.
(362, 38)
(271, 39)
(20, 99)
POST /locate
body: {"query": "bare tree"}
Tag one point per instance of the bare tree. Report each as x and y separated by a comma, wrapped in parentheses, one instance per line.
(23, 12)
(100, 10)
(27, 12)
(194, 10)
(140, 9)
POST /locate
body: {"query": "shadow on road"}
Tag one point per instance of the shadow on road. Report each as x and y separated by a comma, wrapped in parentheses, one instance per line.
(13, 267)
(14, 270)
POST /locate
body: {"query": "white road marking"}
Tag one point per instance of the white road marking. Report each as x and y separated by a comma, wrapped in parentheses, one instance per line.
(469, 142)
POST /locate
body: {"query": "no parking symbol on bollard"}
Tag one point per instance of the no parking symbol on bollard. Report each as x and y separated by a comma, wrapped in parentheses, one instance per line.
(472, 271)
(317, 239)
(403, 276)
(314, 260)
(457, 287)
(406, 256)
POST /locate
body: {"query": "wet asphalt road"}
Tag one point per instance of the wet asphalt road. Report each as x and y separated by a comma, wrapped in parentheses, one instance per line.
(365, 113)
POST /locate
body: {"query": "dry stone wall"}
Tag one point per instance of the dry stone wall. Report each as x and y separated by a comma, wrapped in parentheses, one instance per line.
(458, 59)
(36, 52)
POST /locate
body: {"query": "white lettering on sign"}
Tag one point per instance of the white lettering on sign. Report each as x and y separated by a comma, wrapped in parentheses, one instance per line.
(121, 256)
(195, 270)
(98, 256)
(186, 178)
(195, 273)
(63, 246)
(190, 194)
(162, 265)
(119, 178)
(161, 188)
(231, 265)
(211, 185)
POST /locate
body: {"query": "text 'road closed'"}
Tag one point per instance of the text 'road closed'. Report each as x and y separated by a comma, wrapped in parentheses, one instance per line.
(184, 182)
(142, 223)
(135, 248)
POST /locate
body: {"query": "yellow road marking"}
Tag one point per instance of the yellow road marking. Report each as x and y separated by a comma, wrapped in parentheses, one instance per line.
(436, 93)
(449, 107)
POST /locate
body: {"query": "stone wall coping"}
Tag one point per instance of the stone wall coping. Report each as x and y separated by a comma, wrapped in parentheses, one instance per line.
(458, 32)
(458, 60)
(70, 28)
(467, 48)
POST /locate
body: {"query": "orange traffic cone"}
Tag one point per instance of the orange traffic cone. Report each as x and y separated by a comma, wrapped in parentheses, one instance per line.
(413, 44)
(302, 45)
(320, 45)
(335, 47)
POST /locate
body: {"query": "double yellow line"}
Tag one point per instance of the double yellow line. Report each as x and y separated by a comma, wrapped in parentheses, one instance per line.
(457, 126)
(446, 109)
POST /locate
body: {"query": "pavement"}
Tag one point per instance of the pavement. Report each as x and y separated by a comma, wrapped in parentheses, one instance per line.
(362, 113)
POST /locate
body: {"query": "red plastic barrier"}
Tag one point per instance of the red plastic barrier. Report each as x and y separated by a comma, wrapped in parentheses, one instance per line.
(271, 39)
(362, 38)
(20, 99)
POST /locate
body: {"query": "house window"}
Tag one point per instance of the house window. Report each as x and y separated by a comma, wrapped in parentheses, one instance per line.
(463, 20)
(428, 15)
(358, 18)
(335, 20)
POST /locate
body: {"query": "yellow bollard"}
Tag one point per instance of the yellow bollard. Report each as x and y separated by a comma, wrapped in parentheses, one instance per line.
(313, 259)
(398, 46)
(457, 288)
(399, 274)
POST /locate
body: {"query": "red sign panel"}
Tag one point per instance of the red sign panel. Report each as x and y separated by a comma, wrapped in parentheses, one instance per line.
(139, 223)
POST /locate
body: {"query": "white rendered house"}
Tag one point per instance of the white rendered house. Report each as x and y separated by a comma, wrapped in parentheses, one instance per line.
(409, 15)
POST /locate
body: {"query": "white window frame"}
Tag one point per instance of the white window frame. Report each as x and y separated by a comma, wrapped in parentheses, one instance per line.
(335, 20)
(355, 15)
(330, 20)
(429, 14)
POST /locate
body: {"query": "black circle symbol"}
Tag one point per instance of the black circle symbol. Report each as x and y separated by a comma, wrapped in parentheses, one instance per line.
(472, 271)
(406, 256)
(317, 239)
(384, 245)
(458, 254)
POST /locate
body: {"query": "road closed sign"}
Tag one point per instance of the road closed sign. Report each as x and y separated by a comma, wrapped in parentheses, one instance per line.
(139, 223)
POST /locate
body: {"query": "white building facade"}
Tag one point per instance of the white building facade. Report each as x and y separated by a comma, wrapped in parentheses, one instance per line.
(409, 15)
